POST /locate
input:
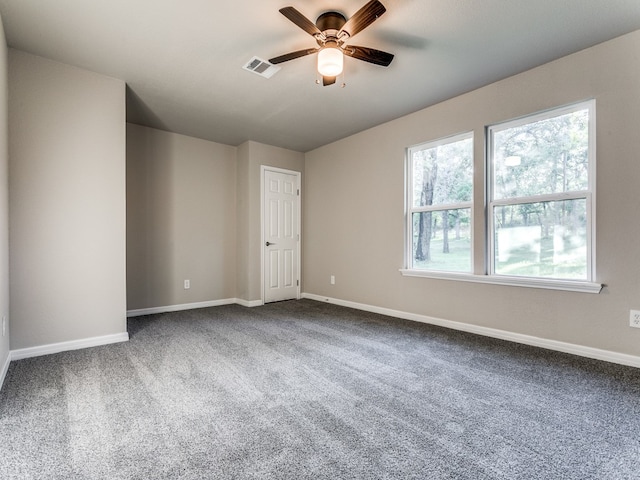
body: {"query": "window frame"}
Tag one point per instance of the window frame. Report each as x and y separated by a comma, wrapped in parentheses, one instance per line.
(410, 209)
(485, 274)
(588, 195)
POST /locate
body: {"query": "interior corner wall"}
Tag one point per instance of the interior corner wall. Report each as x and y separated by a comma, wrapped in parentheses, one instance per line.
(4, 208)
(181, 219)
(243, 227)
(66, 203)
(354, 213)
(251, 156)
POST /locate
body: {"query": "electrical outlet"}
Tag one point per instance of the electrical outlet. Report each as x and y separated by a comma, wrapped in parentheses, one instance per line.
(187, 284)
(634, 318)
(332, 280)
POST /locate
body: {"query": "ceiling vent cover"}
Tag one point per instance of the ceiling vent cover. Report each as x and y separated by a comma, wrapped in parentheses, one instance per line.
(261, 67)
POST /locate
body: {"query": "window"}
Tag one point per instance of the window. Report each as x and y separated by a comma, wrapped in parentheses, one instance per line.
(440, 192)
(540, 195)
(538, 225)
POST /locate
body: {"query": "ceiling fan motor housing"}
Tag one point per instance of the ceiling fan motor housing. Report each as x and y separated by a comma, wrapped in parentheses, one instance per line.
(330, 21)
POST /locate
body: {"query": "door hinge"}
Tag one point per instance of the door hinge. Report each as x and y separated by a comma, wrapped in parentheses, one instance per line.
(297, 283)
(298, 192)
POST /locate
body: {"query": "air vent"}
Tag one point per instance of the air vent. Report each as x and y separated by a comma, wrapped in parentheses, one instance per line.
(261, 67)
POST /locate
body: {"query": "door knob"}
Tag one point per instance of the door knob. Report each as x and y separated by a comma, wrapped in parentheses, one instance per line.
(269, 243)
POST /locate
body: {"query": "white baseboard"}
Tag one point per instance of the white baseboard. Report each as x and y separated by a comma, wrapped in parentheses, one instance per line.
(589, 352)
(4, 369)
(249, 303)
(180, 307)
(66, 346)
(191, 306)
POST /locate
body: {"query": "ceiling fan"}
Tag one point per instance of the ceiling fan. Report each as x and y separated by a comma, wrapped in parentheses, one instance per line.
(331, 31)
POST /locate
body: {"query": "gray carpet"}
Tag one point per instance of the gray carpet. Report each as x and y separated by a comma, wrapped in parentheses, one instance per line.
(306, 390)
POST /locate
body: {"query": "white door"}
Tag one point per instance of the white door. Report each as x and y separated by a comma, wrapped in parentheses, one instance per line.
(281, 209)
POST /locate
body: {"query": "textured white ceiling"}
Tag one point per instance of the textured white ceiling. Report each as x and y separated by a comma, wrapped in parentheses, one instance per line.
(182, 61)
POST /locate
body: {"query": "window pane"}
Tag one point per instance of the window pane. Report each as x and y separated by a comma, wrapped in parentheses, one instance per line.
(442, 240)
(544, 157)
(443, 174)
(545, 239)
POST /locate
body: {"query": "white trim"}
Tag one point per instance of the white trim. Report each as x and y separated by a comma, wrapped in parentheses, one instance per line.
(591, 212)
(530, 282)
(191, 306)
(262, 175)
(438, 142)
(180, 307)
(548, 197)
(410, 209)
(66, 346)
(298, 175)
(588, 194)
(5, 369)
(582, 351)
(249, 303)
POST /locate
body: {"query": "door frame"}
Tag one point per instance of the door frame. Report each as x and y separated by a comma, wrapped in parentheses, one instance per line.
(298, 175)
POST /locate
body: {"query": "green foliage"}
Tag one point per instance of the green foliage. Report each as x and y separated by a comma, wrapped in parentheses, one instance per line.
(553, 157)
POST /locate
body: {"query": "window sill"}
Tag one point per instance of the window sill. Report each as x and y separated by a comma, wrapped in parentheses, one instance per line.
(550, 283)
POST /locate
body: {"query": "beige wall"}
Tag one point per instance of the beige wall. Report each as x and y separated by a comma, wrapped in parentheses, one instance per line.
(243, 226)
(181, 219)
(4, 205)
(67, 202)
(251, 156)
(193, 212)
(354, 224)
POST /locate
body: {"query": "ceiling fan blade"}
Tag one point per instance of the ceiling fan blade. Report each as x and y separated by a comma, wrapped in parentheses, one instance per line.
(328, 81)
(371, 55)
(300, 20)
(293, 55)
(363, 18)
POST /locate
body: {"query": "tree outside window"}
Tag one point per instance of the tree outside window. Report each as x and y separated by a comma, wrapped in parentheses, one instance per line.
(441, 191)
(541, 194)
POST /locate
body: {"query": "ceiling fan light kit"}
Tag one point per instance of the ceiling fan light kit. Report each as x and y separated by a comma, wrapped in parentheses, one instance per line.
(330, 62)
(331, 32)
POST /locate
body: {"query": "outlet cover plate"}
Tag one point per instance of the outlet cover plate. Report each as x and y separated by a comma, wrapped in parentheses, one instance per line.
(634, 318)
